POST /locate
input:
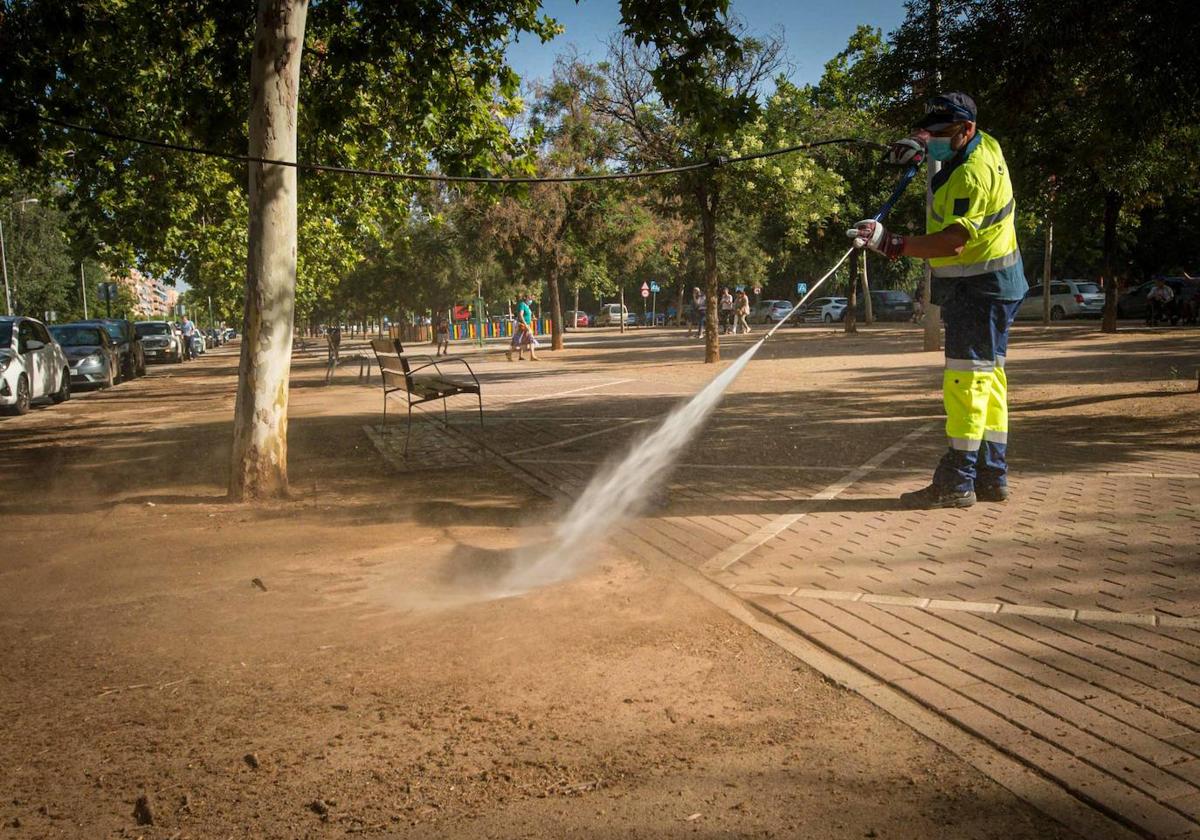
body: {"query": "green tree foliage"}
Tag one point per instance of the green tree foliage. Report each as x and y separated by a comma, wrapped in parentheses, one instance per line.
(1101, 96)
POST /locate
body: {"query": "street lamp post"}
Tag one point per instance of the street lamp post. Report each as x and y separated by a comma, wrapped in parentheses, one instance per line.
(8, 301)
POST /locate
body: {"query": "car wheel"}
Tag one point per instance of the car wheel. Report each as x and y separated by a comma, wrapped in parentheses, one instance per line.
(828, 318)
(1057, 313)
(24, 398)
(110, 378)
(64, 389)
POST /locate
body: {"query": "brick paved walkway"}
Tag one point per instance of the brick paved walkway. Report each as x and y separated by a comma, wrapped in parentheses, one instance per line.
(1063, 628)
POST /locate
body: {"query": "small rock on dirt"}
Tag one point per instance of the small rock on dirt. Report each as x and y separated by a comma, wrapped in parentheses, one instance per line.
(258, 582)
(319, 807)
(251, 760)
(143, 812)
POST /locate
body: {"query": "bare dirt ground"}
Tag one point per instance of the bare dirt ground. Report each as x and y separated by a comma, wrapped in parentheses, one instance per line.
(348, 692)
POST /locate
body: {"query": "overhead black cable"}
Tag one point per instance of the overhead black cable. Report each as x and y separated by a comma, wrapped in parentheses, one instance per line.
(470, 179)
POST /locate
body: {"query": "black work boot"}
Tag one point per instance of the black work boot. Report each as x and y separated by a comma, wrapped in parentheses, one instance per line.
(992, 493)
(931, 497)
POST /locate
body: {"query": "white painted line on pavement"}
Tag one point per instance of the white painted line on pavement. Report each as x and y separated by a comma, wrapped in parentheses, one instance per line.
(584, 436)
(571, 391)
(781, 523)
(723, 467)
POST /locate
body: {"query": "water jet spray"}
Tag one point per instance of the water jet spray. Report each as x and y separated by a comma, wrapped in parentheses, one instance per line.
(621, 488)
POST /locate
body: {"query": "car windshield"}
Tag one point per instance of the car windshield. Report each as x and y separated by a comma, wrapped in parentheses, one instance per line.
(115, 332)
(77, 336)
(144, 330)
(1088, 288)
(5, 333)
(898, 296)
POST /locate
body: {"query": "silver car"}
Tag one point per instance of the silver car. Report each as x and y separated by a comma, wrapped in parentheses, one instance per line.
(1068, 299)
(159, 341)
(93, 355)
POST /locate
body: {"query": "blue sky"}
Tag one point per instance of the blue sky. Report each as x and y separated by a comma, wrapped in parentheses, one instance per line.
(813, 32)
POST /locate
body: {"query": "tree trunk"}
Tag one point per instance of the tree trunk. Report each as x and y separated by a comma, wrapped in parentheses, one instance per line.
(849, 322)
(708, 223)
(1112, 212)
(259, 463)
(556, 316)
(679, 306)
(868, 306)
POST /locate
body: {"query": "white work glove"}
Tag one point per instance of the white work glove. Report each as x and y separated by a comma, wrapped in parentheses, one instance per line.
(907, 152)
(873, 235)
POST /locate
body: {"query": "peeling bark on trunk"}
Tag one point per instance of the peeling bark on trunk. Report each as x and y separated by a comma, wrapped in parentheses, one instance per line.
(259, 463)
(1112, 212)
(556, 316)
(707, 199)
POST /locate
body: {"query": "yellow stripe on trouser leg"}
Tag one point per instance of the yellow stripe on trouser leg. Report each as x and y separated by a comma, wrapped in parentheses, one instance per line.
(996, 427)
(967, 395)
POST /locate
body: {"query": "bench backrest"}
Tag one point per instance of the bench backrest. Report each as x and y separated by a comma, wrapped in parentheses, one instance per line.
(389, 353)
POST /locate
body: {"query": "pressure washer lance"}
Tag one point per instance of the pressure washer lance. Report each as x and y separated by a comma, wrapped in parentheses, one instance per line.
(905, 179)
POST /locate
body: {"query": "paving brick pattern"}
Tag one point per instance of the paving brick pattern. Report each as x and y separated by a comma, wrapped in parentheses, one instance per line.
(1062, 627)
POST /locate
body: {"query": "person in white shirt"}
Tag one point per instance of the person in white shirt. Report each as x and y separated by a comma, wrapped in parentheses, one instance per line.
(726, 311)
(1162, 302)
(700, 305)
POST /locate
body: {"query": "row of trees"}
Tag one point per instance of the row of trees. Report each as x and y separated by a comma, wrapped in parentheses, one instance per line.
(1095, 106)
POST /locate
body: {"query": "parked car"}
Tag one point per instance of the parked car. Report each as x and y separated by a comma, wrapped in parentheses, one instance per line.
(769, 311)
(1068, 299)
(1133, 303)
(32, 365)
(825, 309)
(213, 338)
(887, 305)
(131, 357)
(610, 315)
(199, 343)
(92, 354)
(160, 341)
(576, 318)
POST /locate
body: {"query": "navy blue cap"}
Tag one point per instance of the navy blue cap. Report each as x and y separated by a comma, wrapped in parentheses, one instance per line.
(947, 109)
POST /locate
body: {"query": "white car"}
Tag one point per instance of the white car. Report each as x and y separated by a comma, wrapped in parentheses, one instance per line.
(1068, 299)
(826, 309)
(610, 315)
(32, 365)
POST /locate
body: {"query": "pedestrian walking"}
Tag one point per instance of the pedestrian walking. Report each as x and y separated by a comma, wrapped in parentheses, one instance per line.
(741, 308)
(700, 306)
(442, 332)
(978, 279)
(726, 310)
(187, 329)
(523, 337)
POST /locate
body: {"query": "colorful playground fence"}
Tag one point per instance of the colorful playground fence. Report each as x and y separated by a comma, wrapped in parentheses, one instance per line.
(494, 329)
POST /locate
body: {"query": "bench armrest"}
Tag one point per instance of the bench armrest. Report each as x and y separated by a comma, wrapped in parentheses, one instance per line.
(433, 363)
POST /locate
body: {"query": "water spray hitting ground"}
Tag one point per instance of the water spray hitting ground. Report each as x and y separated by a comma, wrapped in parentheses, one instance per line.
(620, 488)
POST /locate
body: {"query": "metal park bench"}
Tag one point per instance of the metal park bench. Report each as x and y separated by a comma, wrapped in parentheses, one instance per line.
(424, 382)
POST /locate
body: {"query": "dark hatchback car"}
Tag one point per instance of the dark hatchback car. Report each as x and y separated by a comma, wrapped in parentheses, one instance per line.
(131, 358)
(1134, 304)
(887, 305)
